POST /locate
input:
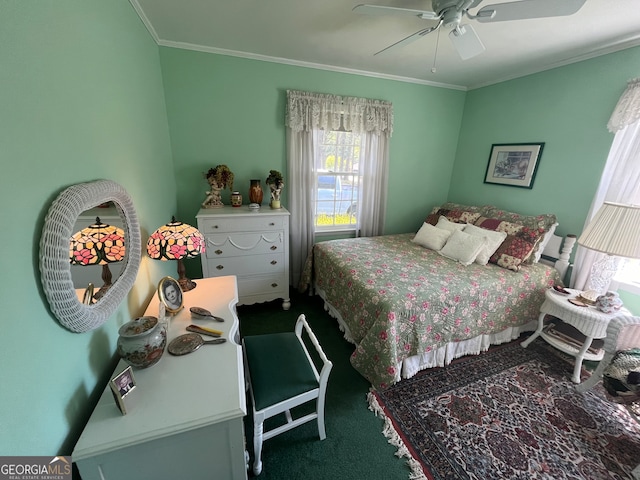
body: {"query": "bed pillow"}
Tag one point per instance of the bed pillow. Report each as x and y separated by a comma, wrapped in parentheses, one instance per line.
(542, 223)
(543, 243)
(519, 245)
(494, 240)
(463, 247)
(456, 216)
(431, 237)
(445, 224)
(455, 213)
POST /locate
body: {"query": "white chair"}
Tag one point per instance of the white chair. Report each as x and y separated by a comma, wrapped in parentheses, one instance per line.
(623, 333)
(282, 375)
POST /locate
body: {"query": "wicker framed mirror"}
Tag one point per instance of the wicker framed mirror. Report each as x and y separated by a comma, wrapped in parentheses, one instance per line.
(55, 268)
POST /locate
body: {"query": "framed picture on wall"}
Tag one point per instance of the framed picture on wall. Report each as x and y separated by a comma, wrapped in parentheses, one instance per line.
(513, 164)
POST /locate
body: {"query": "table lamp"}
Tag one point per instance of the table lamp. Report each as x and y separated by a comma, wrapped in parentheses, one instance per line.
(176, 241)
(615, 230)
(98, 244)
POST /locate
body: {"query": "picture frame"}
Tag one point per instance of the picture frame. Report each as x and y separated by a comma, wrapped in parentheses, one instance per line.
(514, 164)
(170, 294)
(121, 386)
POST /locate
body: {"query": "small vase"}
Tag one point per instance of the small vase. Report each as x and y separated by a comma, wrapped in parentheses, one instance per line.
(141, 341)
(275, 204)
(236, 199)
(255, 192)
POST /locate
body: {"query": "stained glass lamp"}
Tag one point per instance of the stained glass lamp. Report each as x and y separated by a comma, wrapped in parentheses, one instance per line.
(176, 241)
(98, 244)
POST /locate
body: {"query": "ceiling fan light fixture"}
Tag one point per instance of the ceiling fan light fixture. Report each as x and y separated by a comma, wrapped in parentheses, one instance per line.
(466, 42)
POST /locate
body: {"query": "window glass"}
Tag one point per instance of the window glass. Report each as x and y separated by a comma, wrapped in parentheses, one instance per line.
(337, 180)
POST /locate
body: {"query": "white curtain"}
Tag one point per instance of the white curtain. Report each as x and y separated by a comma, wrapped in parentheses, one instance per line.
(620, 181)
(306, 114)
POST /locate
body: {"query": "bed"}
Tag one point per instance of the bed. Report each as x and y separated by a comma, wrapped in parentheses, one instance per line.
(407, 307)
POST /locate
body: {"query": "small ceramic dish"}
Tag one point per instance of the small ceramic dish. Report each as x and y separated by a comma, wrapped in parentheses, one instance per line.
(561, 290)
(577, 303)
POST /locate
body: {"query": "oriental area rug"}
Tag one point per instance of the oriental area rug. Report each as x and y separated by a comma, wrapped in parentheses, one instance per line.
(508, 413)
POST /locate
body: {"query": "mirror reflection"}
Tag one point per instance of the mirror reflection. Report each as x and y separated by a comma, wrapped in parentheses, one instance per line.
(97, 249)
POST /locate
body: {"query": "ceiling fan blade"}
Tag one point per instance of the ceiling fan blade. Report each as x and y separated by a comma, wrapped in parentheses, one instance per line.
(405, 12)
(524, 9)
(466, 41)
(411, 38)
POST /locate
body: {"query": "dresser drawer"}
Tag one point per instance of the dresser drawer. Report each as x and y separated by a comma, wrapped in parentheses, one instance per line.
(240, 244)
(274, 285)
(258, 223)
(246, 265)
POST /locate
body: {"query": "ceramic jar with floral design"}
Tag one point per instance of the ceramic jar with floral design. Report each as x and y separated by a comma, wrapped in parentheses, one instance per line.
(142, 341)
(609, 302)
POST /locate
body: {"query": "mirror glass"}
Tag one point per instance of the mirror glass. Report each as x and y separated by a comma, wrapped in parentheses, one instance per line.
(65, 299)
(83, 274)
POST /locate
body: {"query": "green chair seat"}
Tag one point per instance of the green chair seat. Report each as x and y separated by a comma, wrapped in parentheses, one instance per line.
(278, 367)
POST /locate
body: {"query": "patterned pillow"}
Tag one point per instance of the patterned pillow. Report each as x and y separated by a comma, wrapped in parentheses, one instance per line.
(453, 215)
(542, 223)
(519, 245)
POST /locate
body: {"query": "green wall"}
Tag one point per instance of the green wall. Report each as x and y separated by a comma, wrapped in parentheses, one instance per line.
(231, 110)
(81, 99)
(567, 108)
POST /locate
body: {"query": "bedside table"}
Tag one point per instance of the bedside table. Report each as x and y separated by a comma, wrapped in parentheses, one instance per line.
(588, 320)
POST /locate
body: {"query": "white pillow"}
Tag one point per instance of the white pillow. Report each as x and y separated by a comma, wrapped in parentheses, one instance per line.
(494, 240)
(545, 239)
(445, 224)
(463, 247)
(431, 237)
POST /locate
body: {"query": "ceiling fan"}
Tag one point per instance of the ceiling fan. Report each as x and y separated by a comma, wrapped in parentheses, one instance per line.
(450, 13)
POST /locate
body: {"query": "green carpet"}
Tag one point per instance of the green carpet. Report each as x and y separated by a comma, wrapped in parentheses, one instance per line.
(355, 447)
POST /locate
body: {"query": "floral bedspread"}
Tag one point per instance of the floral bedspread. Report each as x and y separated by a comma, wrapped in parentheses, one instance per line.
(398, 299)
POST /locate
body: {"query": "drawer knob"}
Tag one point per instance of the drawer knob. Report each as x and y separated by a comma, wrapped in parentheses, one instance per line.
(273, 247)
(274, 262)
(220, 267)
(215, 226)
(271, 224)
(218, 252)
(274, 285)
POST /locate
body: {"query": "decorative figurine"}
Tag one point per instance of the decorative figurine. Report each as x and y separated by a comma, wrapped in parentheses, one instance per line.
(219, 178)
(276, 184)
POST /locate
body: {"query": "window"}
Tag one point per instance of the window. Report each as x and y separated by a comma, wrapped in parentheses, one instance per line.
(337, 180)
(628, 277)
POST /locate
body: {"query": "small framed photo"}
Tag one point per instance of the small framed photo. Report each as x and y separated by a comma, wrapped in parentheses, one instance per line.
(121, 386)
(513, 164)
(170, 294)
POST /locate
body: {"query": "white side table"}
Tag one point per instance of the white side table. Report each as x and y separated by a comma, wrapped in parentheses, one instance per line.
(589, 321)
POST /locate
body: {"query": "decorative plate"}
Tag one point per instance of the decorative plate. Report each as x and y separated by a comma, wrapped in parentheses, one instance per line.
(561, 290)
(577, 303)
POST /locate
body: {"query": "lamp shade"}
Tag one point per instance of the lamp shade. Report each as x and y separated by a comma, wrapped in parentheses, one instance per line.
(615, 230)
(176, 241)
(97, 244)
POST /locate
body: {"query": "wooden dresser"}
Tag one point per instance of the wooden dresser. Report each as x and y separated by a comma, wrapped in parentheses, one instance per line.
(185, 416)
(253, 245)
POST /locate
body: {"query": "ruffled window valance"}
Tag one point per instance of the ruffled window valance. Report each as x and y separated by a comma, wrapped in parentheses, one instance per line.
(627, 110)
(307, 111)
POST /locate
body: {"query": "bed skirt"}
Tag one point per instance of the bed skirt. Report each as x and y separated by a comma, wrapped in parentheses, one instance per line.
(443, 355)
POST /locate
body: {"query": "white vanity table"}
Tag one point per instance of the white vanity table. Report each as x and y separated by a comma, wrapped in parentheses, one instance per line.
(185, 416)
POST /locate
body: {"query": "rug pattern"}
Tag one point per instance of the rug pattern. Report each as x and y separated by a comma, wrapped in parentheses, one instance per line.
(509, 413)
